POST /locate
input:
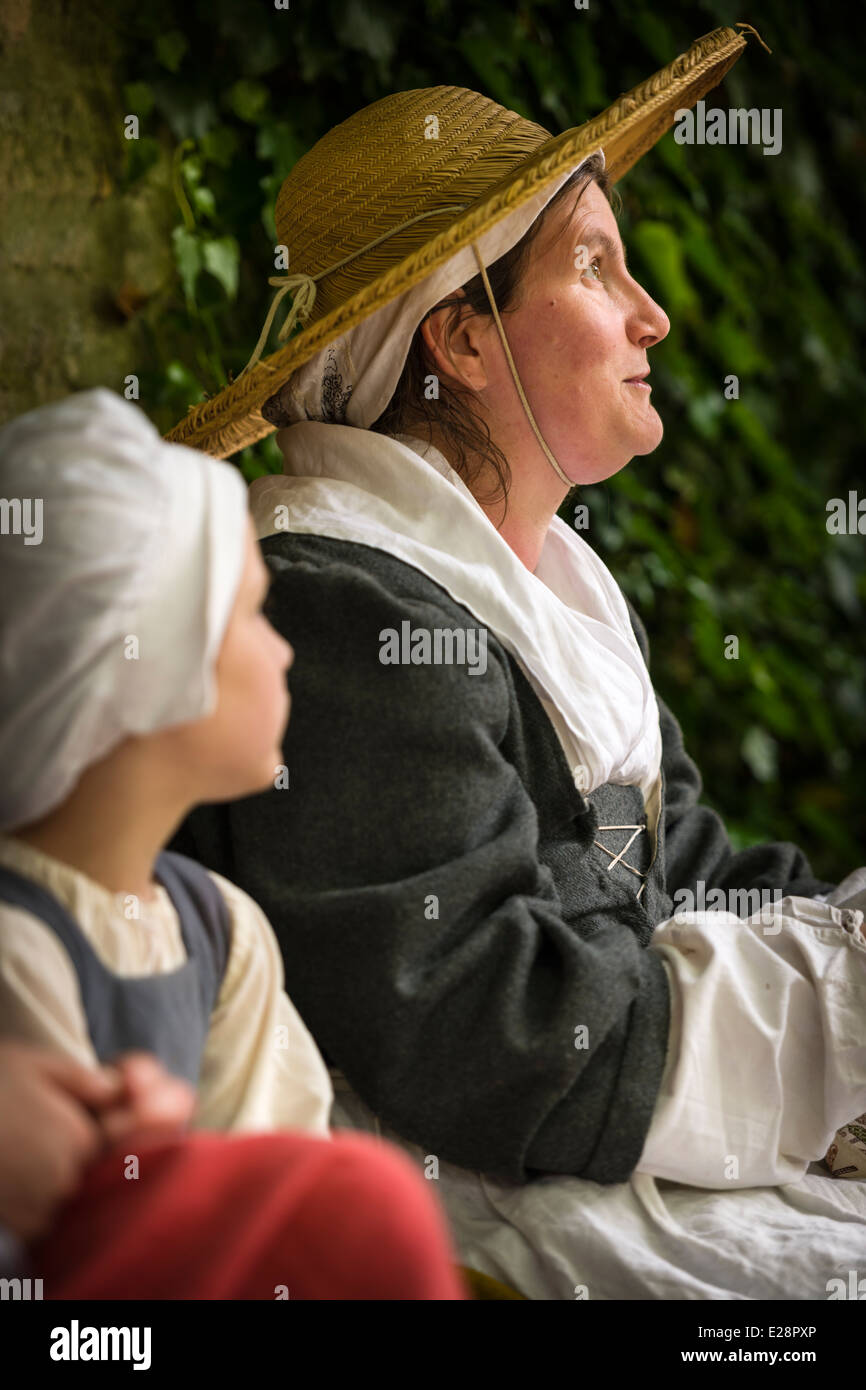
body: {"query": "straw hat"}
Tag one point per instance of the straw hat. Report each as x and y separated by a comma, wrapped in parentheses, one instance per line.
(377, 205)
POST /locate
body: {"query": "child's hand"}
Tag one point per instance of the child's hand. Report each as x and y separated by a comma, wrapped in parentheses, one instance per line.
(149, 1099)
(48, 1134)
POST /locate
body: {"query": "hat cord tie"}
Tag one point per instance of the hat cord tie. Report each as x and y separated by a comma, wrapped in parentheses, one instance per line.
(305, 298)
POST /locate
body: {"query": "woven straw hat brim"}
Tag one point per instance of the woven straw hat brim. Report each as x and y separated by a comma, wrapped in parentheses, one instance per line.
(625, 131)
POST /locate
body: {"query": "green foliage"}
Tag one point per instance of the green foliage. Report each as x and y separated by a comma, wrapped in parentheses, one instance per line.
(756, 259)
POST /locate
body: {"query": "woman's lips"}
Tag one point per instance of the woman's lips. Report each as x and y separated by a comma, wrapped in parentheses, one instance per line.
(636, 381)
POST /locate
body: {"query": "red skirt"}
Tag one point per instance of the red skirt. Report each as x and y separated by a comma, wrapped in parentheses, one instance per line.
(256, 1216)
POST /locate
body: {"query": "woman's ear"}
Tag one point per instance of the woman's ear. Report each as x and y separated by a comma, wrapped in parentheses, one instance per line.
(453, 343)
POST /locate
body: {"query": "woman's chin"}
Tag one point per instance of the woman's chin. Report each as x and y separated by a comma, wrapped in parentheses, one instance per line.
(651, 437)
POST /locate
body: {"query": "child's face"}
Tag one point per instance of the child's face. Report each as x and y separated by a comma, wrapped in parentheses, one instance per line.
(237, 750)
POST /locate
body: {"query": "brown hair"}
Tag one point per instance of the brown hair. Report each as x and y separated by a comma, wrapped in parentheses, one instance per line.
(464, 430)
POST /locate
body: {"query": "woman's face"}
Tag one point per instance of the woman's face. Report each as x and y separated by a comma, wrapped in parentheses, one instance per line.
(582, 328)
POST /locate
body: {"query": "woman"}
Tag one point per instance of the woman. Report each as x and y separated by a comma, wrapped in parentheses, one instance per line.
(486, 809)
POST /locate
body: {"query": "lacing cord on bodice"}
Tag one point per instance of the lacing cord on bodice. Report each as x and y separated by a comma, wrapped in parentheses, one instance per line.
(618, 858)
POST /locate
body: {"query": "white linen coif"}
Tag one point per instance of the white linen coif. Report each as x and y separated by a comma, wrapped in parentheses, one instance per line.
(113, 607)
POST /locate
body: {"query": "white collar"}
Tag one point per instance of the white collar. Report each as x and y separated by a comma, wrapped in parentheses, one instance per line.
(566, 624)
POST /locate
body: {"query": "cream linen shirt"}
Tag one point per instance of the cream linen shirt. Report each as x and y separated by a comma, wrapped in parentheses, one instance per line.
(261, 1069)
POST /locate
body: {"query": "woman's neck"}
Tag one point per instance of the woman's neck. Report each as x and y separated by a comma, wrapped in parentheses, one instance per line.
(534, 496)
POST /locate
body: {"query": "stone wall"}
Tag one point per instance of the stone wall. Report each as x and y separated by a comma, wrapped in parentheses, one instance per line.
(84, 266)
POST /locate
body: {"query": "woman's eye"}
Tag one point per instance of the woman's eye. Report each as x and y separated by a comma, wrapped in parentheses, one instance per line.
(595, 264)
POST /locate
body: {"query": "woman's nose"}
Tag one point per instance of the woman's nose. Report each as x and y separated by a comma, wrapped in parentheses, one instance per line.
(664, 322)
(647, 323)
(655, 319)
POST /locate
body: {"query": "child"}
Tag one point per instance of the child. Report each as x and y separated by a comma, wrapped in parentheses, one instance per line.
(140, 677)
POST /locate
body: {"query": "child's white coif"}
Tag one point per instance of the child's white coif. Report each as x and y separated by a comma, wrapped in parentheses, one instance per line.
(120, 559)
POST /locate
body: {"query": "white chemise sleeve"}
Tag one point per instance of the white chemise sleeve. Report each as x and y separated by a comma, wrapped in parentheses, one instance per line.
(767, 1047)
(261, 1068)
